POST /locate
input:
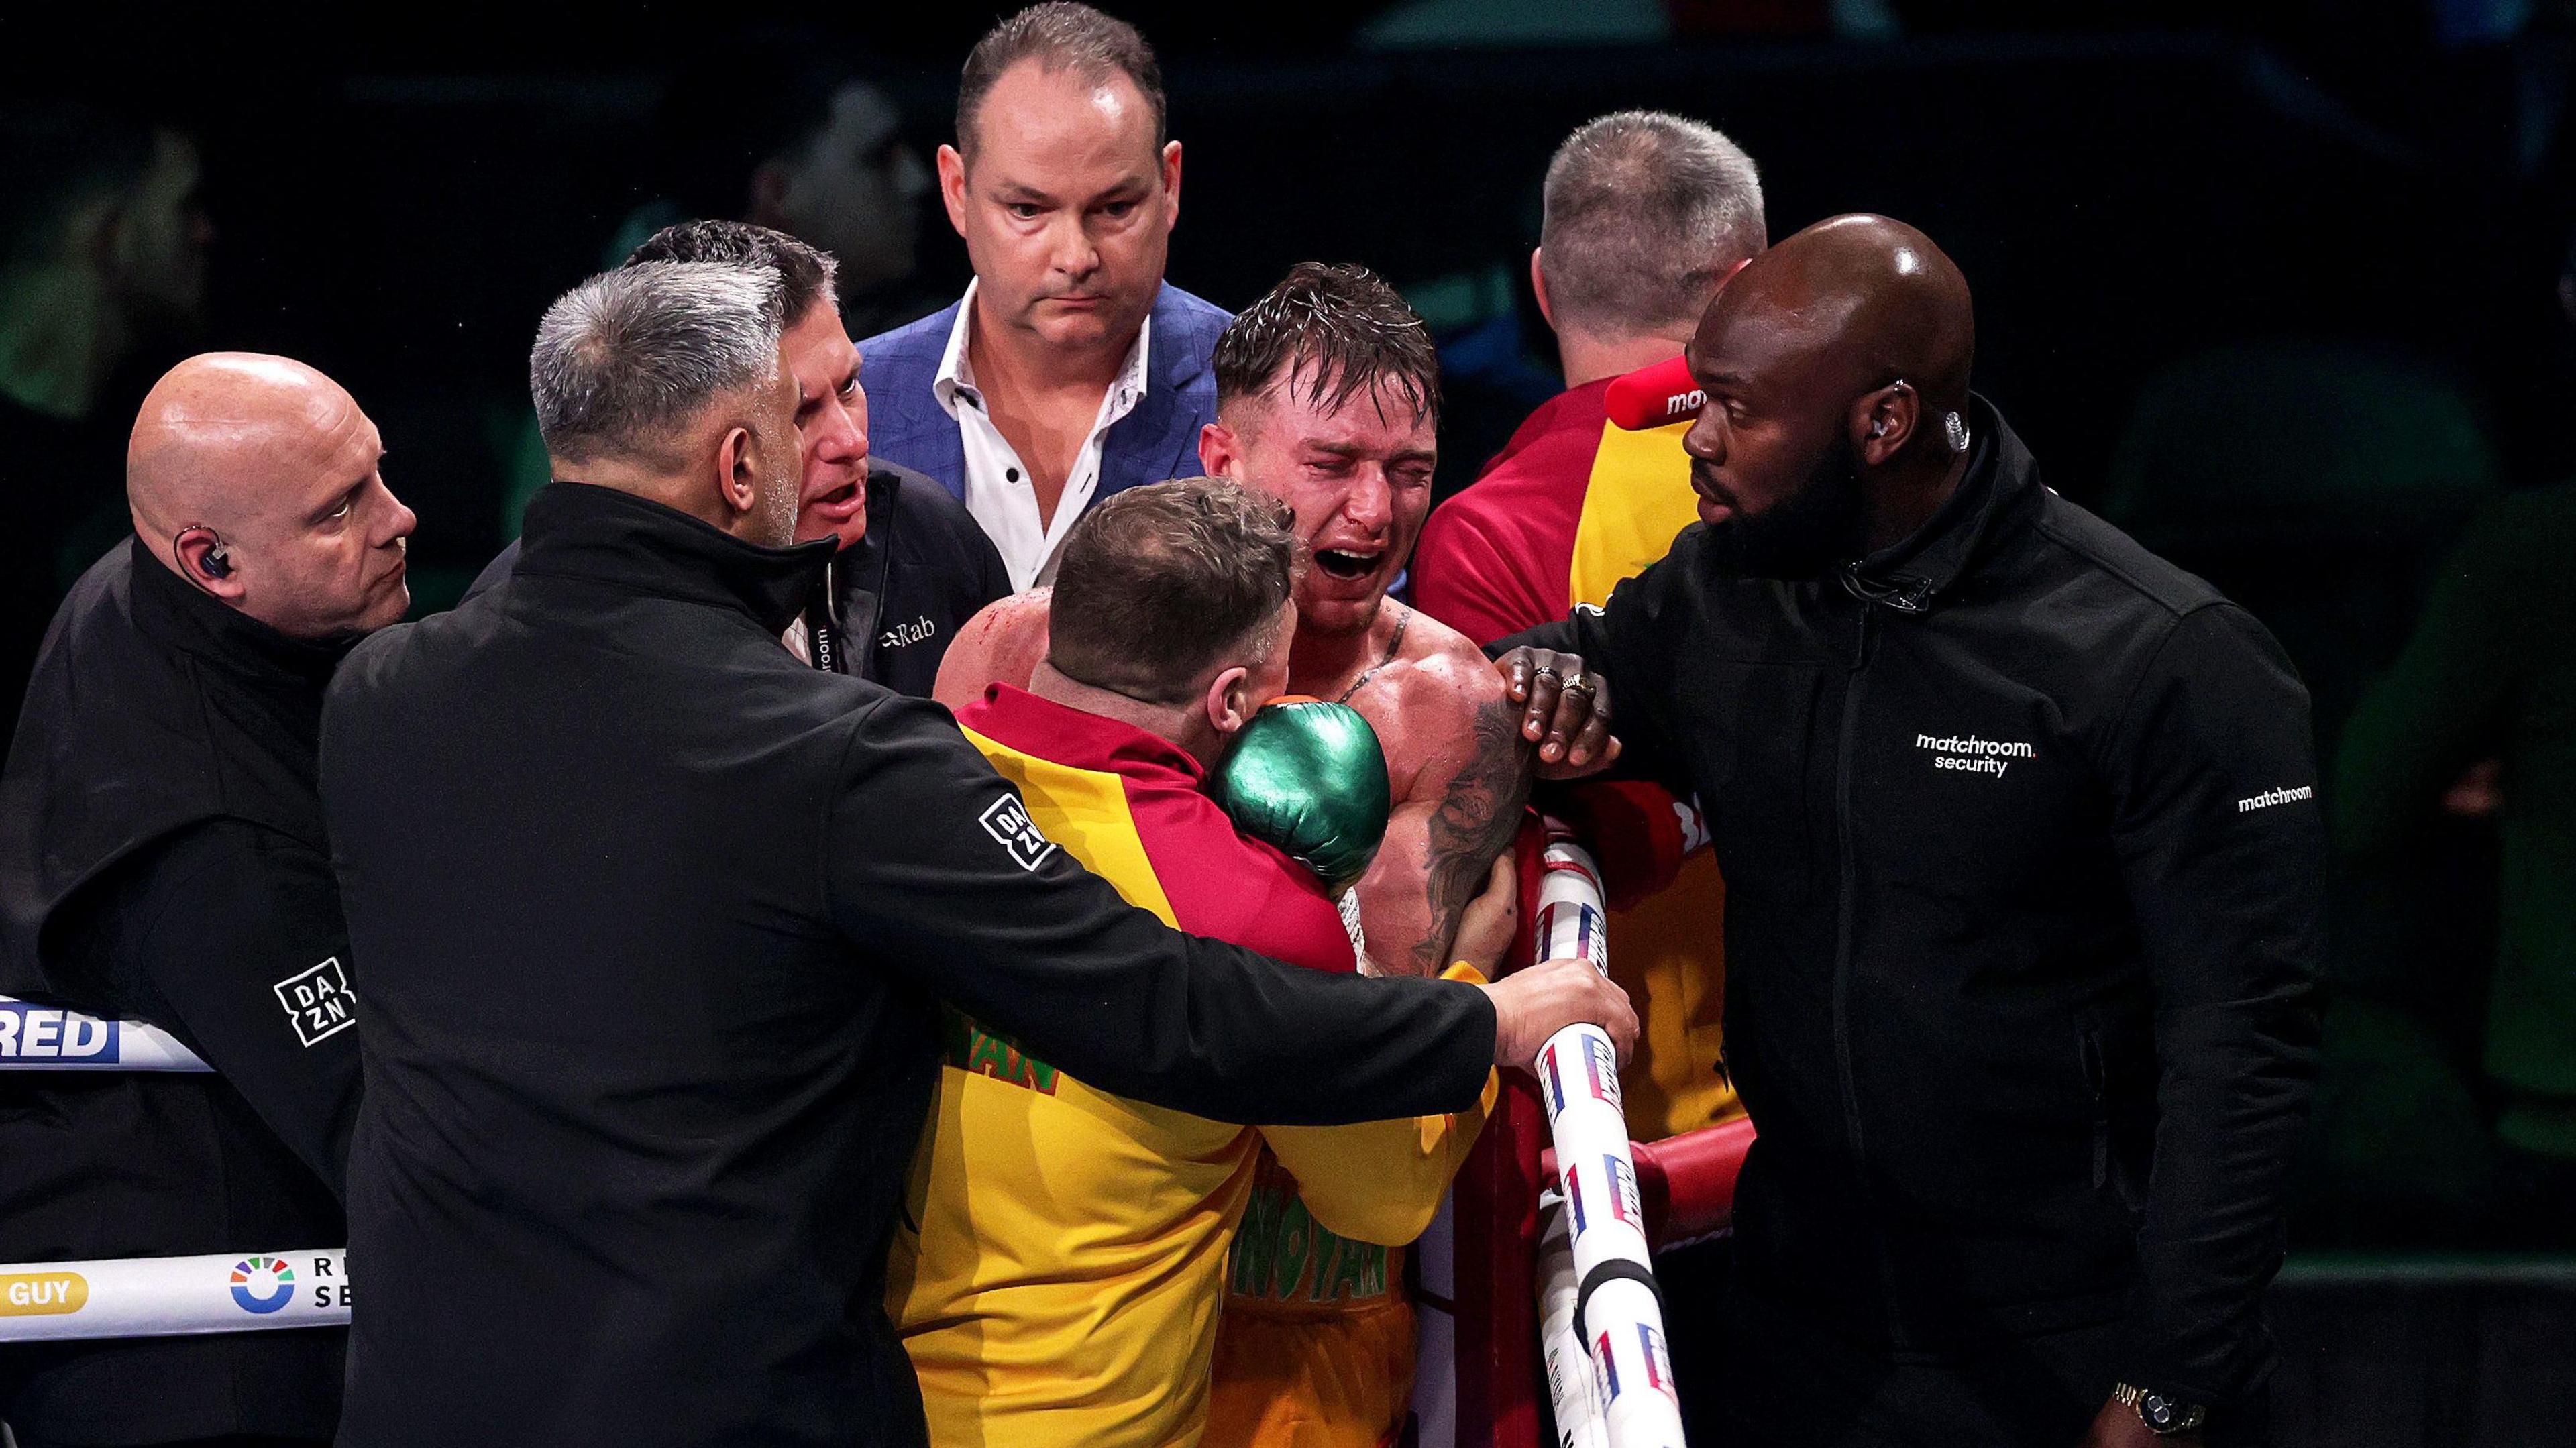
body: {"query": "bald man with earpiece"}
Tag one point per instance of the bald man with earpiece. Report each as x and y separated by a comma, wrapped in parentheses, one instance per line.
(2025, 884)
(162, 857)
(256, 480)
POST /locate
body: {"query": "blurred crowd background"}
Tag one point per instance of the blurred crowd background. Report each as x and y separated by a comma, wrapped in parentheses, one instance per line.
(2284, 287)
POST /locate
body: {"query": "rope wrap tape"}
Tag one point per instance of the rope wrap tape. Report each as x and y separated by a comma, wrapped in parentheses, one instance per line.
(1573, 1386)
(50, 1038)
(1595, 1264)
(173, 1296)
(1625, 1323)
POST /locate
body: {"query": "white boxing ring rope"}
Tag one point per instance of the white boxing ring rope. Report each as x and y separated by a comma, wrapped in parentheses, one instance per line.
(1601, 1320)
(148, 1296)
(173, 1296)
(49, 1038)
(1602, 1326)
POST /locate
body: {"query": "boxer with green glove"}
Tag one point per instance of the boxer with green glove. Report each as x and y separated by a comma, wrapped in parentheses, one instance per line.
(1307, 778)
(1149, 749)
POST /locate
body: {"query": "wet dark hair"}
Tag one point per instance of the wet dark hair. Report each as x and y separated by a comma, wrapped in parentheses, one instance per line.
(1332, 331)
(1060, 35)
(804, 272)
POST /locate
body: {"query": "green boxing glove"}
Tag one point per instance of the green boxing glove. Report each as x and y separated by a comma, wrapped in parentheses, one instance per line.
(1308, 779)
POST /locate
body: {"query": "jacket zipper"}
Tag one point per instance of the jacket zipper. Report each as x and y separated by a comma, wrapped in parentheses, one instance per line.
(1843, 928)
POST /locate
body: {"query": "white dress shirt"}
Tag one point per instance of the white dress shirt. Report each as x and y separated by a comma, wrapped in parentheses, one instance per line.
(999, 492)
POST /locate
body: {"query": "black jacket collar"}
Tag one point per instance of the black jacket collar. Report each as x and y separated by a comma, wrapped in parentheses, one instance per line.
(634, 545)
(2001, 477)
(170, 612)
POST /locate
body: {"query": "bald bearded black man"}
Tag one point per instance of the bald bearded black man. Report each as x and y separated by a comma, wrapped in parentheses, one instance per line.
(162, 856)
(2024, 871)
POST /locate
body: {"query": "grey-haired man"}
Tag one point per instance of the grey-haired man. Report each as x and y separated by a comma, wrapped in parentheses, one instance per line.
(660, 932)
(913, 565)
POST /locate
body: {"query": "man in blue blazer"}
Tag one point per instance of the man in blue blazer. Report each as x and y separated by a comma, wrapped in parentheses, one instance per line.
(1070, 370)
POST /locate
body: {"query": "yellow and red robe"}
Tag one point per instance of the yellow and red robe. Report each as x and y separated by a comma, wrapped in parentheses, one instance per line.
(1569, 509)
(1058, 1272)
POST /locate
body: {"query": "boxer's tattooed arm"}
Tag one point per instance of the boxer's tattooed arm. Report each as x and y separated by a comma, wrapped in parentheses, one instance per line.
(1473, 822)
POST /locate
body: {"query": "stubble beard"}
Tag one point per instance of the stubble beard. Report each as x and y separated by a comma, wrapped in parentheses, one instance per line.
(778, 513)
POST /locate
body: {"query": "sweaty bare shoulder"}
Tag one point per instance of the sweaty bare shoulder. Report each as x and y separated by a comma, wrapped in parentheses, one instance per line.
(1002, 644)
(1427, 702)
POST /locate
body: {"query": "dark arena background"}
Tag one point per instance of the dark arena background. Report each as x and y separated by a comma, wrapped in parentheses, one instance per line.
(2283, 287)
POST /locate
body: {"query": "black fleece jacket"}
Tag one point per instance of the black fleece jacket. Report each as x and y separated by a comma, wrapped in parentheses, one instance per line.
(162, 857)
(2024, 879)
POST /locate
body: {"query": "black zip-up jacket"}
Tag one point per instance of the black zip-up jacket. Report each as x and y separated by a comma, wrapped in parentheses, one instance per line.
(891, 602)
(162, 857)
(655, 918)
(2024, 884)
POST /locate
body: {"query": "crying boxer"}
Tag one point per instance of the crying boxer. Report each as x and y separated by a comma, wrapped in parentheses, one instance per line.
(1328, 398)
(1061, 1261)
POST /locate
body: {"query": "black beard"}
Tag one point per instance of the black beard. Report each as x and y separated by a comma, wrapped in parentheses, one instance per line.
(1803, 535)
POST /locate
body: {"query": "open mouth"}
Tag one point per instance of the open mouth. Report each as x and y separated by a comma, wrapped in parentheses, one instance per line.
(838, 503)
(1346, 564)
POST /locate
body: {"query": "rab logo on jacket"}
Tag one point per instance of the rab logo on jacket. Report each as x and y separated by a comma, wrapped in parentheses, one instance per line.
(262, 1284)
(1007, 820)
(919, 631)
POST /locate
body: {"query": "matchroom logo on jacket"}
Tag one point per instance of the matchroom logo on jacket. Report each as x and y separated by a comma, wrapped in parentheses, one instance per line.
(1974, 755)
(2271, 797)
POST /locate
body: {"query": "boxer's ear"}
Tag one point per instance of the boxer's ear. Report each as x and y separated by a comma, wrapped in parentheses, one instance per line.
(1218, 449)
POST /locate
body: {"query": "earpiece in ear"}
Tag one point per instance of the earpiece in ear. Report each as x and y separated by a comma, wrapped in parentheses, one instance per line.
(215, 563)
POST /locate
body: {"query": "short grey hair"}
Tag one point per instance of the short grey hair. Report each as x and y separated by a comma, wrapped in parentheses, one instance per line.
(1646, 214)
(629, 357)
